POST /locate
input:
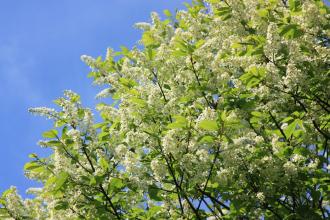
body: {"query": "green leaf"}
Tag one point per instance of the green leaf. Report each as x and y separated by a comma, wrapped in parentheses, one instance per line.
(125, 51)
(61, 205)
(180, 122)
(295, 5)
(184, 99)
(301, 151)
(287, 119)
(100, 125)
(154, 193)
(224, 13)
(104, 163)
(59, 123)
(7, 192)
(50, 134)
(253, 76)
(127, 82)
(166, 86)
(54, 143)
(4, 214)
(31, 165)
(252, 45)
(138, 101)
(167, 13)
(61, 178)
(206, 139)
(95, 180)
(263, 12)
(33, 156)
(92, 181)
(209, 125)
(181, 48)
(153, 210)
(148, 39)
(199, 43)
(151, 53)
(75, 97)
(115, 184)
(290, 31)
(81, 113)
(288, 131)
(136, 213)
(257, 114)
(179, 52)
(93, 75)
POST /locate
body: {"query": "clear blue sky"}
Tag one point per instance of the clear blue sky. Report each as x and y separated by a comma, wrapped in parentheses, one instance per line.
(40, 47)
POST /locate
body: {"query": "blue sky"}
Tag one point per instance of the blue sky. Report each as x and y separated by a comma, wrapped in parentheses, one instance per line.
(40, 47)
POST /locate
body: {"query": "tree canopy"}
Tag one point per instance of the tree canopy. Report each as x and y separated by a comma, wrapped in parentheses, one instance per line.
(221, 112)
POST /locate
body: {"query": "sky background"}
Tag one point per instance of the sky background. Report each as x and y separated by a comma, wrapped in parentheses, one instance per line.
(40, 47)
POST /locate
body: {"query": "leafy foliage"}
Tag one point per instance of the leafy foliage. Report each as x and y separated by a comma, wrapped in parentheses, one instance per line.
(223, 114)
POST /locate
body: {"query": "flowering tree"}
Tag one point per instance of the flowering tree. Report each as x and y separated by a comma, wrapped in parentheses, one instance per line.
(223, 114)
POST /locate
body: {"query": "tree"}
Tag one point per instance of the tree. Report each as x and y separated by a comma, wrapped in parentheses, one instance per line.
(223, 113)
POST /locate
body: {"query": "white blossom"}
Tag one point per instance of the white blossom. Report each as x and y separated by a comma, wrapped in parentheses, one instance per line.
(43, 111)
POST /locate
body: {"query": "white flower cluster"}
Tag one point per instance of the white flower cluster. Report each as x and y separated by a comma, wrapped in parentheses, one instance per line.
(121, 150)
(159, 169)
(290, 169)
(170, 143)
(88, 60)
(14, 203)
(260, 196)
(43, 111)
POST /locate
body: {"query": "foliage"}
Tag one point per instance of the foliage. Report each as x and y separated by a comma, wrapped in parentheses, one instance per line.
(222, 114)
